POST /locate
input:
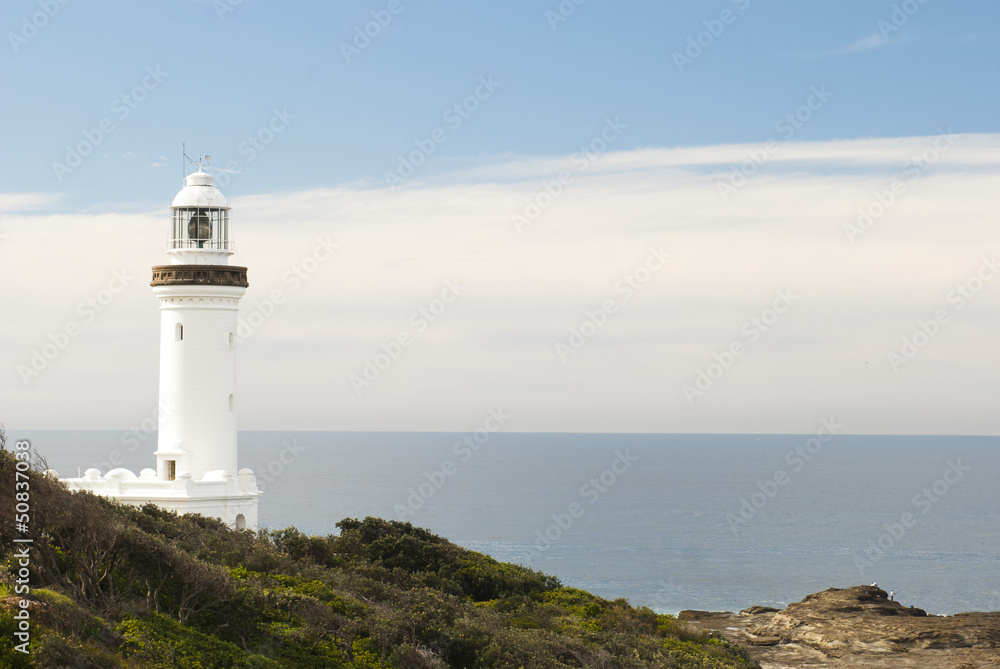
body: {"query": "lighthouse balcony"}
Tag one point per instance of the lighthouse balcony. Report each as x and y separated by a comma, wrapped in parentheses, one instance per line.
(199, 275)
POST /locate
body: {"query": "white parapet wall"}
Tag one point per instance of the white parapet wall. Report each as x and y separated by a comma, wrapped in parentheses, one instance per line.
(232, 499)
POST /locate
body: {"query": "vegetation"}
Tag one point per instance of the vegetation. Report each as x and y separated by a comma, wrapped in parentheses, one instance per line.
(122, 587)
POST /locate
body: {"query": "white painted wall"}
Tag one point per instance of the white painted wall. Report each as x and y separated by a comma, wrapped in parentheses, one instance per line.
(197, 377)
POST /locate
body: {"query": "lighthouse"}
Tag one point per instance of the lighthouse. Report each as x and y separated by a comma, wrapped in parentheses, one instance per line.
(199, 293)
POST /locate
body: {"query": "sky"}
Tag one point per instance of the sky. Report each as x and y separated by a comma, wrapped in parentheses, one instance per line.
(726, 217)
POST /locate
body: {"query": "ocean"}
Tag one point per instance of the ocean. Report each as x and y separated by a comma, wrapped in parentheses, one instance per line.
(669, 521)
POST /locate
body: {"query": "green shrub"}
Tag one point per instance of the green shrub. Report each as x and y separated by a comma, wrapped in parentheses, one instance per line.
(142, 588)
(8, 656)
(163, 642)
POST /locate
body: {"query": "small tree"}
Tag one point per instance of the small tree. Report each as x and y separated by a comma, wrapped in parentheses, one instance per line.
(201, 585)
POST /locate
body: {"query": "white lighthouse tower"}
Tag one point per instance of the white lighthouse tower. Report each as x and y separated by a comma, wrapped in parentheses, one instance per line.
(199, 293)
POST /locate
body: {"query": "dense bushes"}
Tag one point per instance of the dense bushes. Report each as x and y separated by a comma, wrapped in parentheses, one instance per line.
(144, 588)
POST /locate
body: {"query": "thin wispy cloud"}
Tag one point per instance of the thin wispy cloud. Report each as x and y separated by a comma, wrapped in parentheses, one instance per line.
(867, 44)
(977, 151)
(873, 42)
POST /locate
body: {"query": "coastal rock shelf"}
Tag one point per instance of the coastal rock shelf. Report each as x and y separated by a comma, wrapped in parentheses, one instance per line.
(857, 627)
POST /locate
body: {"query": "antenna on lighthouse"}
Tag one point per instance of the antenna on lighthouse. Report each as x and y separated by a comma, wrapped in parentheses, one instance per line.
(198, 161)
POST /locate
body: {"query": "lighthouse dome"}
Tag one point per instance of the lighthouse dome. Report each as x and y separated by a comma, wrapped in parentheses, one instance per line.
(200, 191)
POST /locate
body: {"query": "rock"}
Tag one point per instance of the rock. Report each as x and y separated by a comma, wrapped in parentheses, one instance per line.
(694, 614)
(857, 627)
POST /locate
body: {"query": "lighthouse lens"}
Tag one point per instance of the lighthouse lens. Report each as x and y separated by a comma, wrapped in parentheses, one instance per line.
(199, 228)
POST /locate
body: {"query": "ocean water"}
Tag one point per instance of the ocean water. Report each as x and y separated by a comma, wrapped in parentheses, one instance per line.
(718, 522)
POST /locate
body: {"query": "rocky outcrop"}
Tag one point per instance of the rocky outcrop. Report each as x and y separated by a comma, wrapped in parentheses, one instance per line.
(857, 627)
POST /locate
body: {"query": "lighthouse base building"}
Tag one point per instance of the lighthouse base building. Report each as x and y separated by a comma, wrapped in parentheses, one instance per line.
(231, 499)
(199, 294)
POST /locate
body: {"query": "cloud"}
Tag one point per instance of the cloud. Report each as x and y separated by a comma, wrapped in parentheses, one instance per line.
(873, 42)
(836, 155)
(527, 291)
(870, 43)
(19, 202)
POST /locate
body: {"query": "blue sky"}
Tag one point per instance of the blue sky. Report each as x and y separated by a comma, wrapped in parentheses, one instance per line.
(887, 95)
(228, 67)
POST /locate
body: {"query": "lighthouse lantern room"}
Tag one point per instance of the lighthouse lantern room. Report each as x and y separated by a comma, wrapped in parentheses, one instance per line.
(200, 219)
